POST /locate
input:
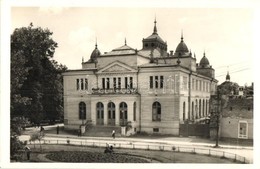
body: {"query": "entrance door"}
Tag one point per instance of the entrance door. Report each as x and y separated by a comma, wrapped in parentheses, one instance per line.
(111, 108)
(100, 113)
(123, 113)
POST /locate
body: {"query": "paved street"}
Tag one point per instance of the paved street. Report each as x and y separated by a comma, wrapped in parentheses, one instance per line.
(244, 151)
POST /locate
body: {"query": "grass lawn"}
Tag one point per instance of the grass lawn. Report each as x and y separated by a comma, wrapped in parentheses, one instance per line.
(70, 153)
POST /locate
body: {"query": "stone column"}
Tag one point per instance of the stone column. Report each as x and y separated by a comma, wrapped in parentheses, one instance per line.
(105, 113)
(117, 113)
(93, 113)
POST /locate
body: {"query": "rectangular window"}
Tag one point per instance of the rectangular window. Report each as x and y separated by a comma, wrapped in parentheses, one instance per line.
(126, 82)
(161, 82)
(108, 83)
(155, 129)
(81, 84)
(103, 83)
(131, 82)
(86, 84)
(151, 82)
(77, 83)
(114, 83)
(119, 83)
(156, 82)
(242, 129)
(197, 84)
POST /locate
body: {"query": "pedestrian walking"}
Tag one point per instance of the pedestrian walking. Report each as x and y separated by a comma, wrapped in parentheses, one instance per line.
(28, 152)
(113, 134)
(58, 129)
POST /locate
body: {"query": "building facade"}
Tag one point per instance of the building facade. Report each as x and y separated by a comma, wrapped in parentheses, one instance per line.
(154, 90)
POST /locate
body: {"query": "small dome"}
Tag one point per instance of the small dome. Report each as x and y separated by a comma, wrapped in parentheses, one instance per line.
(95, 53)
(182, 47)
(204, 62)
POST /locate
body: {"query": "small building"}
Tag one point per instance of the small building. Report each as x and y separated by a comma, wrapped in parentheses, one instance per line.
(237, 119)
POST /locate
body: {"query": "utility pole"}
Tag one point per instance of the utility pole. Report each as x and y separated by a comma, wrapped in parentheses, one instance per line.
(217, 116)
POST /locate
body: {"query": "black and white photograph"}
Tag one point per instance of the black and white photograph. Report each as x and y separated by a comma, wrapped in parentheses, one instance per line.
(123, 84)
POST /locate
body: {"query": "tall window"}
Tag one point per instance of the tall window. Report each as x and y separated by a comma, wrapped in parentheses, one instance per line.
(206, 107)
(183, 114)
(108, 83)
(192, 110)
(203, 107)
(114, 83)
(134, 111)
(126, 82)
(131, 83)
(156, 111)
(243, 129)
(77, 84)
(199, 108)
(103, 83)
(161, 82)
(151, 82)
(156, 82)
(81, 84)
(82, 111)
(119, 83)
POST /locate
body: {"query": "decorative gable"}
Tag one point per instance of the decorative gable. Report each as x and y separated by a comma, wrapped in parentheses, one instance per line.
(117, 67)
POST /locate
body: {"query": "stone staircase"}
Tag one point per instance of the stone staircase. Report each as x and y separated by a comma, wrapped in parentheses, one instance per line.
(103, 131)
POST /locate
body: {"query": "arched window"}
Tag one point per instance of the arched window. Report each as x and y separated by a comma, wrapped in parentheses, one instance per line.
(100, 113)
(156, 111)
(111, 108)
(123, 113)
(134, 111)
(183, 114)
(82, 111)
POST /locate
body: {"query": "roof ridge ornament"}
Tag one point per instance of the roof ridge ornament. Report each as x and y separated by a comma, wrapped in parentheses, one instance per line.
(181, 35)
(155, 28)
(96, 43)
(125, 42)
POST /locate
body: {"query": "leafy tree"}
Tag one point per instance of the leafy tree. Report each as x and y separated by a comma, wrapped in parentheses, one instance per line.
(41, 85)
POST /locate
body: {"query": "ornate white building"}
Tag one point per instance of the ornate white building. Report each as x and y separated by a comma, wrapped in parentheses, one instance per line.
(153, 89)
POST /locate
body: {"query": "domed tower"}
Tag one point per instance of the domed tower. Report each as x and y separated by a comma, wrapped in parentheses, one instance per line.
(204, 62)
(182, 49)
(154, 41)
(204, 68)
(96, 53)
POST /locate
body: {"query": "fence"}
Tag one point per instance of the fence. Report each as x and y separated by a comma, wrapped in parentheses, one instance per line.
(151, 146)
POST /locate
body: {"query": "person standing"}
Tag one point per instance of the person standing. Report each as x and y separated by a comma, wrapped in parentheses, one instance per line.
(113, 134)
(28, 152)
(58, 129)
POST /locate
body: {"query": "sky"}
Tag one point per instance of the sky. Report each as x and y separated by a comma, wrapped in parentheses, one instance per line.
(225, 34)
